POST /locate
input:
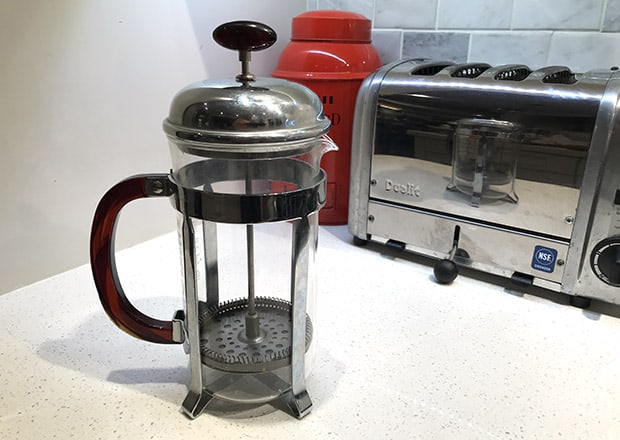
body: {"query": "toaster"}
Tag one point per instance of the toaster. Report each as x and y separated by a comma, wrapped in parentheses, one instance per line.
(502, 169)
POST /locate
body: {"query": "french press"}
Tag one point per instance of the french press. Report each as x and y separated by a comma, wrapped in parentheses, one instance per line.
(244, 153)
(484, 163)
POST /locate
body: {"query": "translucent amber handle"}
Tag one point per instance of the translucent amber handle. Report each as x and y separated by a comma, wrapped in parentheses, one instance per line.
(103, 264)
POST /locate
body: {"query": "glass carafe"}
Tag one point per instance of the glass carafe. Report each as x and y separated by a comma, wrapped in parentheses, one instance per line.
(485, 159)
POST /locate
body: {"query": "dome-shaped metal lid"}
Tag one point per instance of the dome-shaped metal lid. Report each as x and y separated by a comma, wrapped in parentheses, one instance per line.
(246, 115)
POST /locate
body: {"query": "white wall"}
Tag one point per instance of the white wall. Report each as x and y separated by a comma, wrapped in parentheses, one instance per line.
(220, 62)
(84, 86)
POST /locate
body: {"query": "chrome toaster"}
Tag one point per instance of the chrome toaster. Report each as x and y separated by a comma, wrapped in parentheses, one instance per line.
(506, 170)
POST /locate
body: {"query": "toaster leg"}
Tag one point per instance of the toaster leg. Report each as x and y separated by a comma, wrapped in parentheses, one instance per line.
(581, 302)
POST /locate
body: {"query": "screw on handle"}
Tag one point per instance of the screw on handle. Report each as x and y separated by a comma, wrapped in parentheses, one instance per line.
(246, 37)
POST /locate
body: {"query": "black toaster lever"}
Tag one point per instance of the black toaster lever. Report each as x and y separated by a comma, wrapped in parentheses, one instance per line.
(446, 270)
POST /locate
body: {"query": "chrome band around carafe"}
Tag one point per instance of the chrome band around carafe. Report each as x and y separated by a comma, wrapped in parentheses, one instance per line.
(307, 197)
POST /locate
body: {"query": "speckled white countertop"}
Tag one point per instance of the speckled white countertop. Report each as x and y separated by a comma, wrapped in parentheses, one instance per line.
(397, 356)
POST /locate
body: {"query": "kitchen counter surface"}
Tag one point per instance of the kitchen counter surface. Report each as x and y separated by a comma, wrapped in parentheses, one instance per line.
(397, 356)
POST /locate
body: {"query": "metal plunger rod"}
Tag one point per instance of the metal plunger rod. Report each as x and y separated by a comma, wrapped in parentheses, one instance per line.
(246, 76)
(252, 324)
(249, 230)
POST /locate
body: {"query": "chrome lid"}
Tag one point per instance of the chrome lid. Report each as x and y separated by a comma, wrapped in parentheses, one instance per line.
(247, 115)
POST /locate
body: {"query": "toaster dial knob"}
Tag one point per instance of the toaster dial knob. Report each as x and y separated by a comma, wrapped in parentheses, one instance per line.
(605, 260)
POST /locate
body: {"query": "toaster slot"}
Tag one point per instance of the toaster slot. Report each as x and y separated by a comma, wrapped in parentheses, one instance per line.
(430, 69)
(507, 72)
(561, 77)
(472, 70)
(554, 75)
(514, 73)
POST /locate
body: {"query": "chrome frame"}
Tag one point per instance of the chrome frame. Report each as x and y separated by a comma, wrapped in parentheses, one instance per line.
(296, 206)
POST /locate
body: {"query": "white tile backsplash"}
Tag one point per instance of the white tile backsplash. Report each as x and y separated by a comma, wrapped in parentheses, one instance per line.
(389, 44)
(364, 7)
(497, 48)
(557, 14)
(474, 14)
(405, 14)
(584, 51)
(444, 46)
(581, 34)
(611, 21)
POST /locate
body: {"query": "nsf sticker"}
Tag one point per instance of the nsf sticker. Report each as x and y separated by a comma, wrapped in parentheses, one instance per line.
(544, 258)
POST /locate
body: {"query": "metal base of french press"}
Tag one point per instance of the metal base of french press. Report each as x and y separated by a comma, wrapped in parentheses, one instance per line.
(297, 406)
(239, 375)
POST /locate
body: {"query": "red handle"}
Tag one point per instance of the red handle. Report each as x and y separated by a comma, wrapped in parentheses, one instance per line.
(103, 264)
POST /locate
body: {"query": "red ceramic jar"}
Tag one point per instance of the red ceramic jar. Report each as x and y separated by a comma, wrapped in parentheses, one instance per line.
(331, 53)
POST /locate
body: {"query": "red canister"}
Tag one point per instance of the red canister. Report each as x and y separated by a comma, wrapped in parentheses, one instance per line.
(331, 53)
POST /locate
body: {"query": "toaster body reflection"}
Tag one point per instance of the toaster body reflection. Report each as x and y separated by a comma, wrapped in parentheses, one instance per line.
(502, 169)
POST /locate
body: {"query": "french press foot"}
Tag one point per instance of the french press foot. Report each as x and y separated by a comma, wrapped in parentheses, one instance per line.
(195, 403)
(297, 406)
